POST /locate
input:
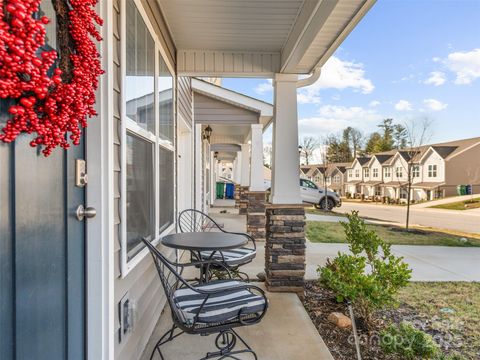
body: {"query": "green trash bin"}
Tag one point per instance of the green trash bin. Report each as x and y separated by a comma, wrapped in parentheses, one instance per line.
(463, 190)
(220, 190)
(459, 189)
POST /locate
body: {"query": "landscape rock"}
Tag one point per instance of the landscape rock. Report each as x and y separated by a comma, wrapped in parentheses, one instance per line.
(340, 320)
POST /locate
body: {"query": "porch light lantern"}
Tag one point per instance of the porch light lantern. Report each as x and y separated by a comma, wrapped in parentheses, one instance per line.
(215, 154)
(207, 133)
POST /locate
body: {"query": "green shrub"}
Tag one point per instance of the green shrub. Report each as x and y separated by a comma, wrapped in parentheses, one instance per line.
(408, 342)
(371, 276)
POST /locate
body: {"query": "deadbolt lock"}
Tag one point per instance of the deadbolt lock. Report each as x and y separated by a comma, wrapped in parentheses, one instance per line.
(81, 177)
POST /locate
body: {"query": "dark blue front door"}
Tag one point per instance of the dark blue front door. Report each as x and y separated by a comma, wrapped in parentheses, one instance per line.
(41, 254)
(42, 249)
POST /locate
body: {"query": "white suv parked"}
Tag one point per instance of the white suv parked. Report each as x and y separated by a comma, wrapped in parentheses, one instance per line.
(312, 194)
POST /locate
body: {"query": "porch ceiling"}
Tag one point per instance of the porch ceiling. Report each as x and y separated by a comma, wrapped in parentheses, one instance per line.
(258, 37)
(229, 134)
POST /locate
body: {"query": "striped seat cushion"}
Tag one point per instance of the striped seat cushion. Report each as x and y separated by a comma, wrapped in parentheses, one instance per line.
(231, 257)
(221, 307)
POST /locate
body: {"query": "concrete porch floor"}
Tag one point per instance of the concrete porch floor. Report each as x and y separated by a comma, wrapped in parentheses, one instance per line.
(286, 332)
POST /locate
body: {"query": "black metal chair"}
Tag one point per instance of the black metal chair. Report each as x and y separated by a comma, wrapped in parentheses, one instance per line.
(192, 220)
(216, 307)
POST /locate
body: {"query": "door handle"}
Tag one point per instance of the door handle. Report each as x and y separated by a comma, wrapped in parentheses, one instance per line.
(85, 212)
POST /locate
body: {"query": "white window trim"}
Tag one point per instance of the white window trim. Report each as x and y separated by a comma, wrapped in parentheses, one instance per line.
(126, 124)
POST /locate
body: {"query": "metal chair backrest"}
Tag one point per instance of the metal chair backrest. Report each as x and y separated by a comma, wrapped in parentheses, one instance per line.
(169, 274)
(192, 220)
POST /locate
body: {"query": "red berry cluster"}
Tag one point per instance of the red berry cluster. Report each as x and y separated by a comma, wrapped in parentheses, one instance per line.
(45, 104)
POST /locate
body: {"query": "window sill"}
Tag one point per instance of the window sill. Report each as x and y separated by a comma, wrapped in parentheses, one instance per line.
(137, 259)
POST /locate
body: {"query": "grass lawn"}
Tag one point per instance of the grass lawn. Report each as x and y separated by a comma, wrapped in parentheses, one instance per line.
(453, 307)
(459, 205)
(332, 232)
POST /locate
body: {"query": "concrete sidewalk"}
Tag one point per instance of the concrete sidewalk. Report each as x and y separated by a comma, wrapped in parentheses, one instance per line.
(429, 263)
(447, 200)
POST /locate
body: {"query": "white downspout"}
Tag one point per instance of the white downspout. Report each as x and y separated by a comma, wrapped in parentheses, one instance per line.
(315, 75)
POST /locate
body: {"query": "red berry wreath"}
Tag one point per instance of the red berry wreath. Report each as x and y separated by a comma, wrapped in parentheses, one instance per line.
(54, 104)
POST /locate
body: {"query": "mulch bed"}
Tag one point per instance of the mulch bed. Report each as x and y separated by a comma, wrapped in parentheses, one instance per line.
(320, 302)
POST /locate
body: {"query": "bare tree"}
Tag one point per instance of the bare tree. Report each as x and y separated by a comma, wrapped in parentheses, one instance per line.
(354, 138)
(307, 147)
(417, 133)
(324, 158)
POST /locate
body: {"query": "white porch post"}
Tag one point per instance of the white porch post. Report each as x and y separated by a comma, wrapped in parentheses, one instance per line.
(213, 180)
(256, 158)
(237, 170)
(198, 167)
(245, 171)
(285, 159)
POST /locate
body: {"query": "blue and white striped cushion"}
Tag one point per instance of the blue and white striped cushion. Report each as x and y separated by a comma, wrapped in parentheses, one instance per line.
(231, 257)
(221, 307)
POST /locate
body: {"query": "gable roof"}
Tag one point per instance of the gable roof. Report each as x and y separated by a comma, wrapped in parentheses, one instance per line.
(382, 158)
(444, 151)
(363, 160)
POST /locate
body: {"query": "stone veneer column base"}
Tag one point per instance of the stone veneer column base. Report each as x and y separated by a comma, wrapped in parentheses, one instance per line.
(256, 214)
(241, 201)
(285, 248)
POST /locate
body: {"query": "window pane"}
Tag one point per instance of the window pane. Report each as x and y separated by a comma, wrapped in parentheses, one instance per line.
(140, 200)
(140, 70)
(165, 98)
(167, 177)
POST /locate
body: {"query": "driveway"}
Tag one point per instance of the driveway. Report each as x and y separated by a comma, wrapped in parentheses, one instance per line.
(466, 221)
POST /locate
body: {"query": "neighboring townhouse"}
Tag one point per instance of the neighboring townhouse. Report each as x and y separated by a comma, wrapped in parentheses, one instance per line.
(444, 166)
(355, 175)
(305, 170)
(372, 177)
(338, 176)
(317, 175)
(335, 177)
(437, 171)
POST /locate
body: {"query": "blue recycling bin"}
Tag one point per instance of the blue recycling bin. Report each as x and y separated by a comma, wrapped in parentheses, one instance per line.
(229, 190)
(468, 189)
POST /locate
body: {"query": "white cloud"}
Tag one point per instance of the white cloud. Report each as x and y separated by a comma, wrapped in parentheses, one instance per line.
(303, 98)
(466, 66)
(337, 74)
(333, 119)
(374, 103)
(264, 87)
(436, 78)
(434, 105)
(403, 105)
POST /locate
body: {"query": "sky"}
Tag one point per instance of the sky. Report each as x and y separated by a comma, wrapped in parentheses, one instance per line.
(406, 60)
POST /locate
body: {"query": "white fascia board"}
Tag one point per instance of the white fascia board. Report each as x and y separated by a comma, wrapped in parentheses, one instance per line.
(426, 154)
(308, 24)
(291, 58)
(265, 110)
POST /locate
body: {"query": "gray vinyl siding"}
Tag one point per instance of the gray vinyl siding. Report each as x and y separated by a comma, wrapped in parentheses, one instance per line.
(212, 111)
(185, 98)
(142, 282)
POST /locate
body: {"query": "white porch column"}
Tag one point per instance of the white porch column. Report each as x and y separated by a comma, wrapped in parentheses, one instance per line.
(213, 178)
(245, 171)
(198, 178)
(285, 158)
(237, 170)
(256, 158)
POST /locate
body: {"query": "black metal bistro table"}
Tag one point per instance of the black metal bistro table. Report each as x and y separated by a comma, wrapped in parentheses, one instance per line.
(197, 242)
